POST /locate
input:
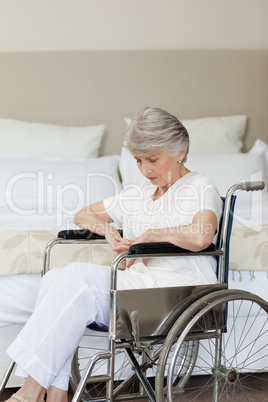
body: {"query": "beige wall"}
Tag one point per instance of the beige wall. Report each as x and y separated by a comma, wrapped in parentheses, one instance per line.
(45, 25)
(102, 87)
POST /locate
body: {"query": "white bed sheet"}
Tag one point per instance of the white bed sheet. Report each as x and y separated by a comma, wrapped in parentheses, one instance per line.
(7, 334)
(18, 294)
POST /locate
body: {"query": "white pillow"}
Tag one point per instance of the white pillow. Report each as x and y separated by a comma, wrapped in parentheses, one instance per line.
(259, 147)
(47, 140)
(214, 134)
(129, 171)
(224, 170)
(227, 169)
(46, 192)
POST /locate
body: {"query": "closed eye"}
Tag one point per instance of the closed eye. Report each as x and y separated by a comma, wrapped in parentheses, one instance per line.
(151, 160)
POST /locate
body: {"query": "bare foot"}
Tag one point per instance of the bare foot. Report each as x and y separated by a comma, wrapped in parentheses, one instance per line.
(31, 391)
(56, 395)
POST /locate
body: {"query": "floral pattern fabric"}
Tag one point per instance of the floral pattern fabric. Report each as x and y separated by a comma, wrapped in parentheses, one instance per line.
(22, 252)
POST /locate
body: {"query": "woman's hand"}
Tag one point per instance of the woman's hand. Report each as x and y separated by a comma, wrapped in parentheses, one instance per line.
(117, 243)
(147, 237)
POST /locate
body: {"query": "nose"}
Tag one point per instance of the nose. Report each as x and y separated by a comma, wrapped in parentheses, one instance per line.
(145, 168)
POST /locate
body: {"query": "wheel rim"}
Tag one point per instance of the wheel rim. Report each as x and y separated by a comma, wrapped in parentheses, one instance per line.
(244, 355)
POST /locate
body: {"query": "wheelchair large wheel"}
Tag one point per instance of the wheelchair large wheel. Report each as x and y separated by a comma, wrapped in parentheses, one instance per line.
(125, 379)
(231, 355)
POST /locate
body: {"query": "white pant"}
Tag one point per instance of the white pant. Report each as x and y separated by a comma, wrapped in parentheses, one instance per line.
(69, 299)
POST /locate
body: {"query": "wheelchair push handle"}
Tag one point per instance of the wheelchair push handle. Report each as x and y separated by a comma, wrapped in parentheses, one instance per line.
(253, 185)
(245, 186)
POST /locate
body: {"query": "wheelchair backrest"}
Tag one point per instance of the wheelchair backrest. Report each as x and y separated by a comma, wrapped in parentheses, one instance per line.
(224, 237)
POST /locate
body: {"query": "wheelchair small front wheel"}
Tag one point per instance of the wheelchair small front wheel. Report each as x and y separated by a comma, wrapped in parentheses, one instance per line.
(231, 327)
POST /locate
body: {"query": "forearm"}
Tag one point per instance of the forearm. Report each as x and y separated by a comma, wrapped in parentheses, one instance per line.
(190, 237)
(96, 219)
(195, 236)
(90, 220)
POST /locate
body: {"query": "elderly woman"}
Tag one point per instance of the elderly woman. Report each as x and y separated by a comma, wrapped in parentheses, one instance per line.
(173, 205)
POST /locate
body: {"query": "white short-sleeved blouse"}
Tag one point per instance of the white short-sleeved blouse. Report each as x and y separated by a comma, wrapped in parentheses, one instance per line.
(134, 211)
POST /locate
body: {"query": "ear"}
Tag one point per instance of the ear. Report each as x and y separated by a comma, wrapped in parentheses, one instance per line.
(181, 156)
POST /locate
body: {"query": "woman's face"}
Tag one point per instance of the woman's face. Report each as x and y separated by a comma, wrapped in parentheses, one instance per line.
(162, 169)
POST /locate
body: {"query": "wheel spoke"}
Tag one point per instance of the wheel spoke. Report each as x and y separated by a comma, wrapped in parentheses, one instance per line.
(243, 350)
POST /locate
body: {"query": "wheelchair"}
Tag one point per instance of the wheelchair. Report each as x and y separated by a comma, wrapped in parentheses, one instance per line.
(176, 343)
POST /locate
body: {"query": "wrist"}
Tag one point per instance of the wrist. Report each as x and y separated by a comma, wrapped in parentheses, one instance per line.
(109, 230)
(151, 236)
(157, 235)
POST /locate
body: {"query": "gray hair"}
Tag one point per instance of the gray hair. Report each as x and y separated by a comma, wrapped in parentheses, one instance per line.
(154, 130)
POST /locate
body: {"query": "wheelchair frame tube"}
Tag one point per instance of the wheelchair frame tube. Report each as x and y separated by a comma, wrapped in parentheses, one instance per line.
(112, 325)
(113, 305)
(7, 375)
(57, 240)
(246, 186)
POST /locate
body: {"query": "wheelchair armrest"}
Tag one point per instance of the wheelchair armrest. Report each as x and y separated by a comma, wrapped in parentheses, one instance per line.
(78, 235)
(163, 248)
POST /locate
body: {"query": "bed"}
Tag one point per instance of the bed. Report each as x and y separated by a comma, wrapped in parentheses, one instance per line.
(62, 148)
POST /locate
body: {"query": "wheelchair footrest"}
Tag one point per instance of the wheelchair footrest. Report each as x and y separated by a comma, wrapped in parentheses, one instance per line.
(98, 378)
